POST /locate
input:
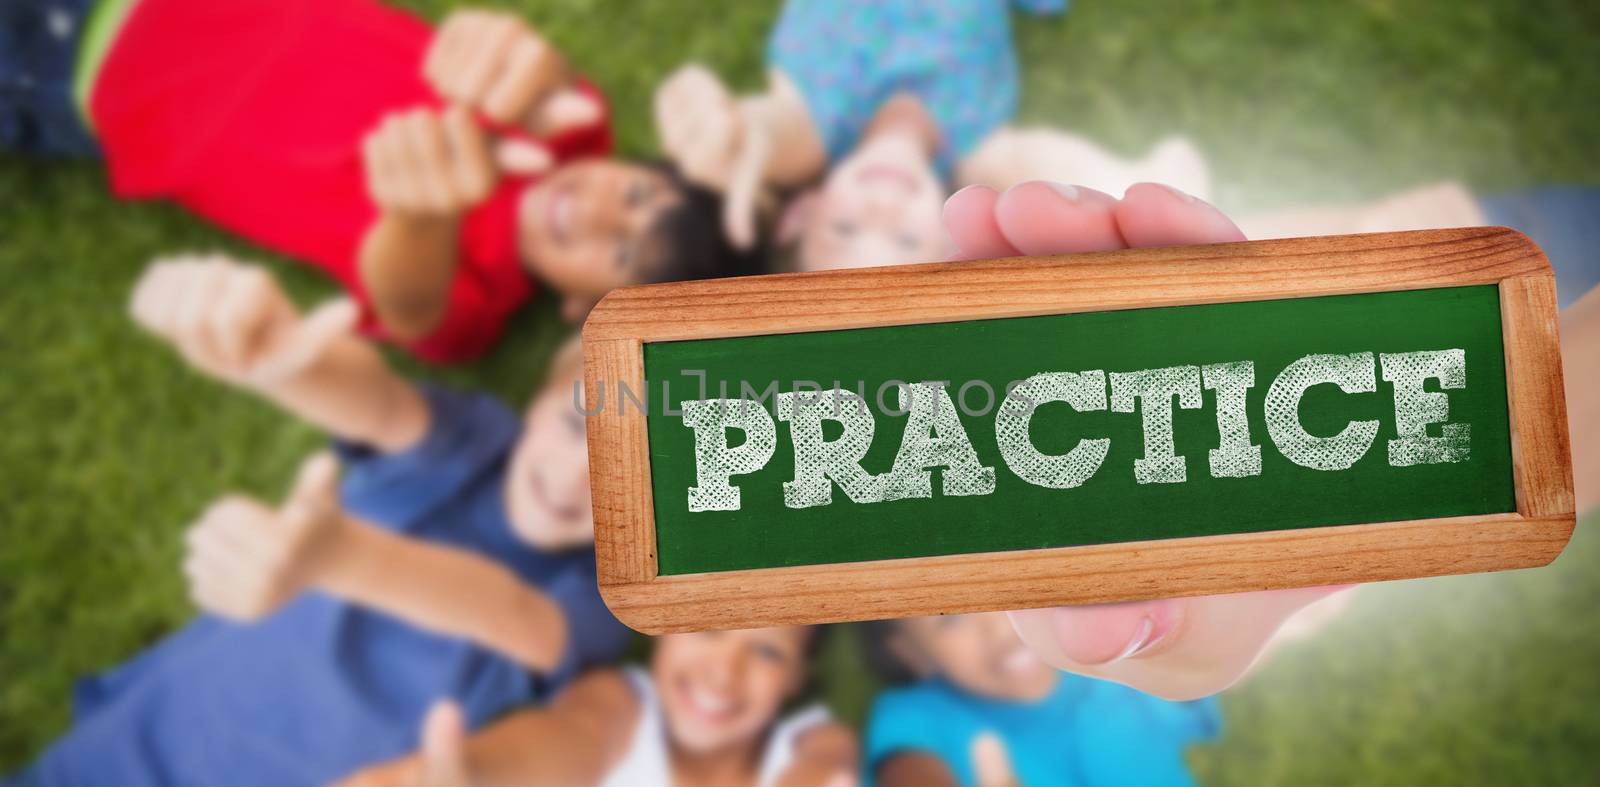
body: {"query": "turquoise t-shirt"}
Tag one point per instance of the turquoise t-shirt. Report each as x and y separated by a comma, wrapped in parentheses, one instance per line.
(1087, 733)
(848, 58)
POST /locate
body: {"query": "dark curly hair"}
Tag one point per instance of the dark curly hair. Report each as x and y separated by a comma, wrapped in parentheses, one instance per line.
(687, 236)
(881, 659)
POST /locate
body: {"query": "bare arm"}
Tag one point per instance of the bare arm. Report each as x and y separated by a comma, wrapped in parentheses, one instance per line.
(407, 264)
(443, 589)
(425, 170)
(246, 560)
(577, 739)
(1580, 360)
(232, 321)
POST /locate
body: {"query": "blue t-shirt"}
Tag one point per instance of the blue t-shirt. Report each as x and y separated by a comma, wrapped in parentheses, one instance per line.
(849, 57)
(323, 687)
(1086, 733)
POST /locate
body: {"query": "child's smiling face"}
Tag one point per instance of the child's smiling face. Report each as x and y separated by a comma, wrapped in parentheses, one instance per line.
(880, 206)
(980, 653)
(585, 229)
(547, 486)
(722, 689)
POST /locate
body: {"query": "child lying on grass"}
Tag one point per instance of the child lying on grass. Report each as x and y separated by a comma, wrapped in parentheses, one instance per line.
(452, 560)
(707, 713)
(972, 705)
(896, 97)
(319, 129)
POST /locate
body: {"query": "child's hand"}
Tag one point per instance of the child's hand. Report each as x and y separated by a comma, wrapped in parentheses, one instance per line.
(441, 762)
(232, 321)
(444, 748)
(699, 124)
(1174, 648)
(246, 560)
(491, 62)
(716, 142)
(426, 164)
(827, 755)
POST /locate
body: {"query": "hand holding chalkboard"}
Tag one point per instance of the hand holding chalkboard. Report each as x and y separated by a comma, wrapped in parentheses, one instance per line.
(1175, 648)
(1210, 419)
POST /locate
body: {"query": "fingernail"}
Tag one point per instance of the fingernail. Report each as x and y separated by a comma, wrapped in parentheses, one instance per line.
(1108, 634)
(1182, 195)
(1067, 192)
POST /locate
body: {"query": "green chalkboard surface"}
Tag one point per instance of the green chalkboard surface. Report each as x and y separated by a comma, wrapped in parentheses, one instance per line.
(1111, 506)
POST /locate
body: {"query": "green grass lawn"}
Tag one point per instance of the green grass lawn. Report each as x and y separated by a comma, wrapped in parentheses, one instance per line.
(108, 446)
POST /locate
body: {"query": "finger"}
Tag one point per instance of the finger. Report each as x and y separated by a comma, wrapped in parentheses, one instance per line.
(1154, 215)
(169, 294)
(567, 110)
(991, 767)
(199, 298)
(457, 51)
(444, 755)
(219, 599)
(227, 549)
(316, 487)
(521, 157)
(242, 315)
(531, 69)
(150, 293)
(427, 147)
(1040, 217)
(667, 107)
(374, 160)
(472, 171)
(399, 170)
(712, 151)
(487, 56)
(309, 340)
(1178, 649)
(744, 186)
(969, 218)
(445, 47)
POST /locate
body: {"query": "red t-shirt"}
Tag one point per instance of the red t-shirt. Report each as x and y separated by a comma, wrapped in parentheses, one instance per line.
(251, 114)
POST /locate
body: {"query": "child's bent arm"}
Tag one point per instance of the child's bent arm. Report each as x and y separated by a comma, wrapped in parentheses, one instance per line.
(445, 590)
(425, 170)
(407, 264)
(232, 321)
(576, 739)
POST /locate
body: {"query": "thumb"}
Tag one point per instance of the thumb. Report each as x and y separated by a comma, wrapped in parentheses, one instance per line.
(316, 486)
(444, 747)
(566, 110)
(842, 779)
(307, 340)
(991, 766)
(745, 182)
(521, 157)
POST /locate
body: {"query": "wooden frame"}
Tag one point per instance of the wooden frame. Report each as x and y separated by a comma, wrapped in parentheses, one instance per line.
(628, 318)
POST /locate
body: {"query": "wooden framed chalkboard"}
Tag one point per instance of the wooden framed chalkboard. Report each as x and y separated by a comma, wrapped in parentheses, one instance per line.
(1003, 434)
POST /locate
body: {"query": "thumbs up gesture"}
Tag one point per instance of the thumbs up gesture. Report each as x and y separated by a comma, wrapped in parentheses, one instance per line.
(444, 748)
(717, 142)
(233, 322)
(493, 63)
(991, 765)
(245, 560)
